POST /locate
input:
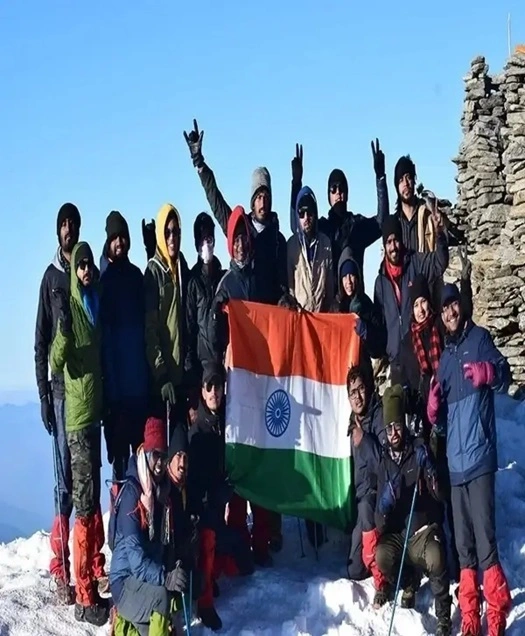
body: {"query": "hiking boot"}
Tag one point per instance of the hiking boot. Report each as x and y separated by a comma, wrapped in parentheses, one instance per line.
(408, 598)
(65, 592)
(92, 614)
(444, 625)
(103, 586)
(381, 597)
(262, 560)
(216, 589)
(209, 618)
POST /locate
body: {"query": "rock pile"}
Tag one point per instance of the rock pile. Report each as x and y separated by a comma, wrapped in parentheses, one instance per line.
(491, 203)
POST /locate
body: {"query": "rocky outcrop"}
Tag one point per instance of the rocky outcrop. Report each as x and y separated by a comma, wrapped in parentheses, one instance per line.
(490, 208)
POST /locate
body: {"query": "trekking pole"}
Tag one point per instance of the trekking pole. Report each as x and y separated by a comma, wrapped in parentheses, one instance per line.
(55, 470)
(184, 607)
(405, 545)
(300, 538)
(168, 423)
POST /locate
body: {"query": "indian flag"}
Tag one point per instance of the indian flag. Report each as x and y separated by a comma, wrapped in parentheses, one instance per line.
(287, 410)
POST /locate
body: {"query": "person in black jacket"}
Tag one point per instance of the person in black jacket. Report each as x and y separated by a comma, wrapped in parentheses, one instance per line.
(269, 245)
(52, 394)
(202, 286)
(365, 427)
(221, 548)
(397, 272)
(343, 227)
(125, 366)
(406, 477)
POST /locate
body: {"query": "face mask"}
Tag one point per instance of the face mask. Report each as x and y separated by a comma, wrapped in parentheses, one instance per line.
(206, 252)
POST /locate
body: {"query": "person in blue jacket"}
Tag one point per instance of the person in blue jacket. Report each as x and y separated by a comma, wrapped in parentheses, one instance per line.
(461, 399)
(139, 534)
(125, 367)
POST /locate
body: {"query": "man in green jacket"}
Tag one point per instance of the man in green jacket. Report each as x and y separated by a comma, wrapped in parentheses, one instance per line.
(75, 351)
(165, 282)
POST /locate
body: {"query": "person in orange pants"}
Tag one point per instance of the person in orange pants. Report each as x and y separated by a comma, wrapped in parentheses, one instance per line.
(75, 351)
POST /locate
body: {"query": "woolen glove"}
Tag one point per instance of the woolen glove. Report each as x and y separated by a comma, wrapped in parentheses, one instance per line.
(168, 393)
(423, 460)
(48, 415)
(388, 498)
(360, 329)
(479, 373)
(297, 164)
(176, 580)
(379, 160)
(194, 141)
(434, 402)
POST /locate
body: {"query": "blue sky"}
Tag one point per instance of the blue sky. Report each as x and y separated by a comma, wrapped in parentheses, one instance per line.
(95, 97)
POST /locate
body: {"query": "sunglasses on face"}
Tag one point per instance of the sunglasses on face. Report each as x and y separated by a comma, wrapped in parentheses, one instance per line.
(85, 263)
(336, 188)
(304, 212)
(213, 383)
(175, 232)
(394, 426)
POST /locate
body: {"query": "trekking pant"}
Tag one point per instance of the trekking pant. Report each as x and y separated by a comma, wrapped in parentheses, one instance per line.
(124, 430)
(88, 535)
(260, 530)
(473, 505)
(59, 539)
(363, 544)
(425, 551)
(146, 606)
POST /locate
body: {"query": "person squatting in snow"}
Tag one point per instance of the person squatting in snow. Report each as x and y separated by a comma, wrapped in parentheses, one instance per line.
(145, 355)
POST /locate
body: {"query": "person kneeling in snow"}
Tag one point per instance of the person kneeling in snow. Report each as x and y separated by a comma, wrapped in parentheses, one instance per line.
(138, 536)
(471, 369)
(406, 471)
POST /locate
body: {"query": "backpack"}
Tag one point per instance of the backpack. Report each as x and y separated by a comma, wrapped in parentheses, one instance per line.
(115, 497)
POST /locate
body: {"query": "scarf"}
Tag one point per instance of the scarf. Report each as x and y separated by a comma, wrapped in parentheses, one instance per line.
(65, 264)
(428, 360)
(394, 273)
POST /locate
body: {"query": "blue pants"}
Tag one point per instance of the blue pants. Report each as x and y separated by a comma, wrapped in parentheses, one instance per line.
(63, 478)
(365, 522)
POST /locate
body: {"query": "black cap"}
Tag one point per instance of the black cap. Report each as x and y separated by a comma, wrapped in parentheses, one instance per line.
(178, 441)
(392, 225)
(449, 294)
(203, 226)
(419, 289)
(116, 225)
(68, 211)
(214, 373)
(405, 165)
(337, 177)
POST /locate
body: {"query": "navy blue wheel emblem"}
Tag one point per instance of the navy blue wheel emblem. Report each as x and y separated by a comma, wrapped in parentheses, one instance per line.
(277, 413)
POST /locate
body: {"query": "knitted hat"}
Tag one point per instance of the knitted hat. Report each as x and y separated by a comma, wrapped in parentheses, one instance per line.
(337, 177)
(306, 199)
(116, 225)
(392, 225)
(449, 294)
(260, 180)
(349, 267)
(178, 442)
(213, 372)
(155, 435)
(405, 165)
(82, 252)
(68, 211)
(203, 227)
(394, 405)
(419, 289)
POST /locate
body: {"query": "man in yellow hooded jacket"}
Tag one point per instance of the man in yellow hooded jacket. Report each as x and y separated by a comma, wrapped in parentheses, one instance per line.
(165, 281)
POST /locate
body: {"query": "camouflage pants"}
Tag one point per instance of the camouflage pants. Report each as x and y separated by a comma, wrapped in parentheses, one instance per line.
(84, 447)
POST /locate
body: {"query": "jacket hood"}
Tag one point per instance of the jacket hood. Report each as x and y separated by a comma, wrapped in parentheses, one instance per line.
(162, 248)
(57, 262)
(237, 214)
(305, 193)
(75, 283)
(347, 255)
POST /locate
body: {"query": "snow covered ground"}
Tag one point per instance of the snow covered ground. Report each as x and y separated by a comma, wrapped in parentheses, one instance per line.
(299, 595)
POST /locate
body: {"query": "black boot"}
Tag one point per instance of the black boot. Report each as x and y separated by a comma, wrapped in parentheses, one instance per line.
(262, 560)
(94, 614)
(216, 589)
(444, 624)
(408, 598)
(382, 596)
(209, 618)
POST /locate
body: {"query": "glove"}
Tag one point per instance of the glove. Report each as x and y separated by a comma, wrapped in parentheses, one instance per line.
(479, 373)
(388, 498)
(64, 310)
(360, 329)
(176, 580)
(289, 302)
(297, 164)
(434, 402)
(48, 415)
(423, 460)
(466, 265)
(148, 237)
(194, 141)
(168, 393)
(379, 160)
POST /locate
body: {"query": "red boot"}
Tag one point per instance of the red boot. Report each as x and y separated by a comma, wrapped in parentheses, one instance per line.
(469, 603)
(369, 540)
(497, 595)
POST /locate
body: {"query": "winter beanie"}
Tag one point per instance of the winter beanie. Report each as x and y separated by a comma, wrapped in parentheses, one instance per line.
(348, 267)
(203, 226)
(213, 372)
(82, 252)
(392, 225)
(260, 179)
(419, 289)
(449, 294)
(178, 442)
(405, 165)
(155, 435)
(68, 211)
(116, 225)
(337, 177)
(393, 405)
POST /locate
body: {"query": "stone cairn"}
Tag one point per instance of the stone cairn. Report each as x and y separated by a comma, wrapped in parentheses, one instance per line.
(490, 208)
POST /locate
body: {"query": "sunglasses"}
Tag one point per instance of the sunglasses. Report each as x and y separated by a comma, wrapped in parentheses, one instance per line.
(175, 232)
(302, 212)
(394, 426)
(212, 383)
(85, 263)
(337, 187)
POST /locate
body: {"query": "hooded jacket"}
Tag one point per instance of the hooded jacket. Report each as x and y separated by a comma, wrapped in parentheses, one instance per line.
(310, 278)
(165, 285)
(239, 283)
(55, 277)
(202, 286)
(122, 317)
(77, 355)
(397, 318)
(269, 245)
